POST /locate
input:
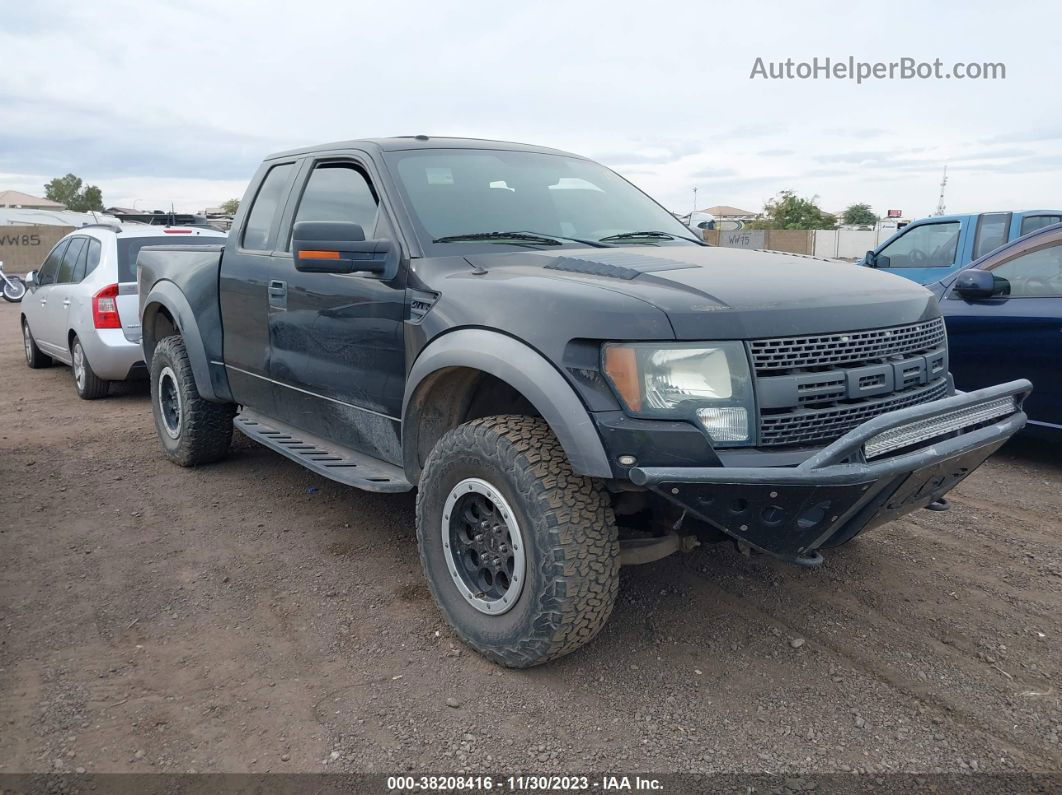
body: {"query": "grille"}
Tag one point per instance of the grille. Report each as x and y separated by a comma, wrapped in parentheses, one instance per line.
(806, 426)
(787, 353)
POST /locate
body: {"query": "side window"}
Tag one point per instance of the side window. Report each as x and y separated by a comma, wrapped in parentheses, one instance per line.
(70, 257)
(338, 192)
(81, 269)
(1031, 223)
(924, 246)
(46, 275)
(1035, 274)
(95, 249)
(267, 204)
(991, 233)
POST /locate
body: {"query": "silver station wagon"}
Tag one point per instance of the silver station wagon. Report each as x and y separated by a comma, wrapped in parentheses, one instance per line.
(81, 305)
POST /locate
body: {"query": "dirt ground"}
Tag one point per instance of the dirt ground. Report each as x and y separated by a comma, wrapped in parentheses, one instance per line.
(251, 616)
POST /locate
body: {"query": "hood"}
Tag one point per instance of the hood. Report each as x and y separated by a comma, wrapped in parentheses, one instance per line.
(726, 293)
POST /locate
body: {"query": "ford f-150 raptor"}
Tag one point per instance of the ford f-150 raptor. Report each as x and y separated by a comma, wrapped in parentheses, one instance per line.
(568, 376)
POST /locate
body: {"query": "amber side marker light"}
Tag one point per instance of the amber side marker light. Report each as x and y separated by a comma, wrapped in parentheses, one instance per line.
(621, 367)
(319, 254)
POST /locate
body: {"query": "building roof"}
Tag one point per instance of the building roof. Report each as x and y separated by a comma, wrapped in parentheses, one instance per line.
(15, 216)
(726, 211)
(16, 198)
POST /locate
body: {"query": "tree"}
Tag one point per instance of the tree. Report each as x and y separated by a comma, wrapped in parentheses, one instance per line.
(68, 190)
(859, 215)
(789, 211)
(231, 206)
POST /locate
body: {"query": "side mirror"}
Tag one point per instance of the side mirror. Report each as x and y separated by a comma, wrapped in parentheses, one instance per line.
(340, 247)
(973, 284)
(31, 280)
(870, 260)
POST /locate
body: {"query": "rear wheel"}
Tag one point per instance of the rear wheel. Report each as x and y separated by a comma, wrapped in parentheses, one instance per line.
(192, 430)
(89, 386)
(521, 554)
(35, 360)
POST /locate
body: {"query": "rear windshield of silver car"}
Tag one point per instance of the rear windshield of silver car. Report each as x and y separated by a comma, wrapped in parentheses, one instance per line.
(129, 248)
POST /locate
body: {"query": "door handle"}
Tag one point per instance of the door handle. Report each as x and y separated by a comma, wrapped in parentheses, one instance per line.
(278, 294)
(44, 301)
(66, 302)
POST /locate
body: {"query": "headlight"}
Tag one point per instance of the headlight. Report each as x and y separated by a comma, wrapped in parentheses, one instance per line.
(704, 382)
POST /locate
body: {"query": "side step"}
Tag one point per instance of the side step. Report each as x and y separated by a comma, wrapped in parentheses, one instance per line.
(325, 458)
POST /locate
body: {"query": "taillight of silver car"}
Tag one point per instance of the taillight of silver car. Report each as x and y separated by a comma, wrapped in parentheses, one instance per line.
(105, 308)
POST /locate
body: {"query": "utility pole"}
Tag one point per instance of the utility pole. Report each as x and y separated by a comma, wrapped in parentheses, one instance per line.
(940, 201)
(694, 203)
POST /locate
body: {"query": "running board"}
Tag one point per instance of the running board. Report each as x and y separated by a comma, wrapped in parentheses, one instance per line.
(328, 459)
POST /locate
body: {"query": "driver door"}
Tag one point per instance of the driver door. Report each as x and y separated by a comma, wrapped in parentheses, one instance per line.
(924, 252)
(1014, 335)
(337, 354)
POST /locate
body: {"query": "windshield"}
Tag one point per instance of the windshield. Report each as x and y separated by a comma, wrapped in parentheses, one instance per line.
(455, 193)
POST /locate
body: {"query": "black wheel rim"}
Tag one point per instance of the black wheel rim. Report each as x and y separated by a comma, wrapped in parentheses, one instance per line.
(484, 548)
(169, 403)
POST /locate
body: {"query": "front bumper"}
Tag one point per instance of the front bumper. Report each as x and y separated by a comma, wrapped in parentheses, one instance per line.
(791, 512)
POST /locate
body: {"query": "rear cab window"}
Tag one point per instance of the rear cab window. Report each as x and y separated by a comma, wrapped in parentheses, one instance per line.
(129, 249)
(1031, 223)
(992, 231)
(268, 202)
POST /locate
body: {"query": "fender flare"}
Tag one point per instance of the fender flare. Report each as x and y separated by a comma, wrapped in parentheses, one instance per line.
(529, 373)
(169, 296)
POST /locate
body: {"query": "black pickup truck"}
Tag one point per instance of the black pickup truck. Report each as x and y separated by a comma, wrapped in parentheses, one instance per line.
(569, 377)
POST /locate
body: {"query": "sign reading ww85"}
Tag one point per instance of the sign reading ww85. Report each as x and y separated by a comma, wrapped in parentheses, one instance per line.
(23, 248)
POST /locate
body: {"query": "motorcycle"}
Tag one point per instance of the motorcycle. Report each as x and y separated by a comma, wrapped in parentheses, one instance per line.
(14, 288)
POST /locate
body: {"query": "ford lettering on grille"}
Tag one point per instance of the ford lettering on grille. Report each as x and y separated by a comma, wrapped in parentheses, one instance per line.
(814, 389)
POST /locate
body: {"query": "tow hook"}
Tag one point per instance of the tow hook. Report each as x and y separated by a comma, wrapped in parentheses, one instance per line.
(939, 504)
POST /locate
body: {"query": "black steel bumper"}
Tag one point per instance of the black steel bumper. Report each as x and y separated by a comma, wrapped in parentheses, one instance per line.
(791, 512)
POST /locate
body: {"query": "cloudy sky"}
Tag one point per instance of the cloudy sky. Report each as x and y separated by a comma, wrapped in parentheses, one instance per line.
(160, 102)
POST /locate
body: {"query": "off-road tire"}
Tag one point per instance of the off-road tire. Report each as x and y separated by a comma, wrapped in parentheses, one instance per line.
(35, 358)
(90, 386)
(204, 428)
(569, 535)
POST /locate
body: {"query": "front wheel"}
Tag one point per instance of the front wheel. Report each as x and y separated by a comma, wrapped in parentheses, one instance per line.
(521, 554)
(14, 289)
(192, 430)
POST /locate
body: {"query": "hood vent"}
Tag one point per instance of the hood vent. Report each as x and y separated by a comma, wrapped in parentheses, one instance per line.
(617, 265)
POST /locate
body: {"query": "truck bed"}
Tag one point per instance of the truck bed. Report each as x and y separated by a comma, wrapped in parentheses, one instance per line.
(188, 276)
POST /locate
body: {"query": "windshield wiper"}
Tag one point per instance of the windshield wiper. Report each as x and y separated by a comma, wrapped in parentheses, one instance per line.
(523, 236)
(528, 237)
(651, 234)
